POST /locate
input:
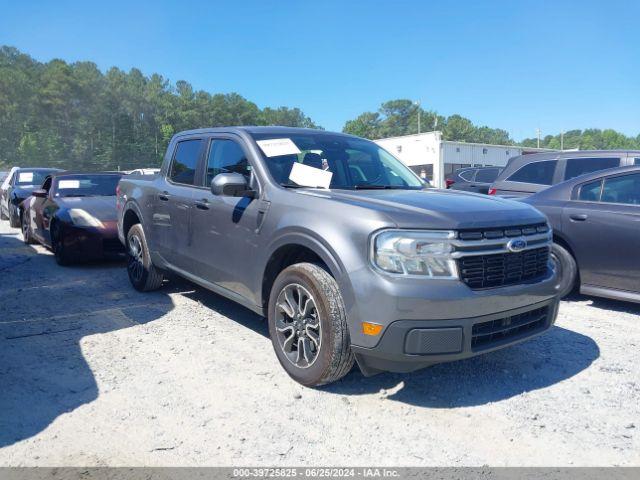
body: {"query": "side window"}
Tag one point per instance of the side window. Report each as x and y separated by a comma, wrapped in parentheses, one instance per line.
(487, 175)
(622, 189)
(580, 166)
(185, 162)
(47, 184)
(468, 175)
(636, 161)
(226, 156)
(540, 173)
(590, 192)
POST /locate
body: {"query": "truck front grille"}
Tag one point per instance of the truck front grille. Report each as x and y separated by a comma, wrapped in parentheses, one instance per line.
(485, 259)
(487, 271)
(494, 332)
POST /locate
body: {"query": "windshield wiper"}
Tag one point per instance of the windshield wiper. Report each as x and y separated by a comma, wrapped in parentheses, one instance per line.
(364, 186)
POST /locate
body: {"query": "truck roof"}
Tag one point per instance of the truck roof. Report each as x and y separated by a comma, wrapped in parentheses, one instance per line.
(261, 130)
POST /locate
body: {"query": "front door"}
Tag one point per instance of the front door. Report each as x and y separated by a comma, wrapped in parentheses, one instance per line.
(603, 224)
(226, 228)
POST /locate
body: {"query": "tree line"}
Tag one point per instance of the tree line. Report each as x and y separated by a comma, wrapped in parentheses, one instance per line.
(74, 116)
(400, 117)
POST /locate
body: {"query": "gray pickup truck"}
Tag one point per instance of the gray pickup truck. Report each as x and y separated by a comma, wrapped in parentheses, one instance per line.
(344, 249)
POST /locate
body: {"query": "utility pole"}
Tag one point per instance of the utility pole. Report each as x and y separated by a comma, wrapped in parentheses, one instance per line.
(538, 133)
(417, 104)
(561, 140)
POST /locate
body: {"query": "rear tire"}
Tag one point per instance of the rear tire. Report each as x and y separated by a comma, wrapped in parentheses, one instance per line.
(566, 269)
(308, 325)
(14, 217)
(143, 275)
(26, 231)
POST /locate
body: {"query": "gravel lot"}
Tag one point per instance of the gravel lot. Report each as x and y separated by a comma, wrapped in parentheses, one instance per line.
(94, 373)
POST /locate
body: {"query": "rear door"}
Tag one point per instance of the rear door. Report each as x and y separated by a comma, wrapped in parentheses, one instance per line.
(603, 224)
(174, 204)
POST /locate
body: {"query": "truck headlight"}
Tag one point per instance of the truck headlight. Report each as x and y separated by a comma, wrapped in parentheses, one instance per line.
(82, 218)
(411, 252)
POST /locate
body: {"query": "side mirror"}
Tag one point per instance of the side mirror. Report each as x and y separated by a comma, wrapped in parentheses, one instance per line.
(41, 193)
(231, 185)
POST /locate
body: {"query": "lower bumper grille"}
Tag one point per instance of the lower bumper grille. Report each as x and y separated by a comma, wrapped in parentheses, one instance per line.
(489, 334)
(486, 271)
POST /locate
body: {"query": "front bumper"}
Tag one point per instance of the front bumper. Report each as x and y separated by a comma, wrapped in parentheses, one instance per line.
(92, 243)
(408, 345)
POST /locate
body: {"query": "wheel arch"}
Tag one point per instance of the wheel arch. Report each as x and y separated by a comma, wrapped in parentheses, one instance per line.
(296, 247)
(131, 216)
(561, 240)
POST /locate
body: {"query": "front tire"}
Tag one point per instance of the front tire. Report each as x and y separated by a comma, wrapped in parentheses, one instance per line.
(566, 269)
(58, 246)
(3, 216)
(143, 275)
(308, 325)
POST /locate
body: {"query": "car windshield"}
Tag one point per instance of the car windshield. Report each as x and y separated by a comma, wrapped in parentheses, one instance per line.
(30, 177)
(86, 185)
(338, 161)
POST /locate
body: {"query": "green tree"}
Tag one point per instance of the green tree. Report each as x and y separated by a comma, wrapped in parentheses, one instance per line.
(73, 116)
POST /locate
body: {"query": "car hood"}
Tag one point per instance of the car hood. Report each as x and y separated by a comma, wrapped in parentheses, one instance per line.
(102, 208)
(442, 209)
(24, 191)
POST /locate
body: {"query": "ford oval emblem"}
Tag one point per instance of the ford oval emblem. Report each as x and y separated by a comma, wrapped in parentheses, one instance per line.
(516, 245)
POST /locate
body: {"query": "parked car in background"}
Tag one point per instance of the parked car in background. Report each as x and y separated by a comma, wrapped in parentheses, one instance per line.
(342, 247)
(596, 232)
(21, 184)
(144, 171)
(527, 174)
(473, 179)
(4, 186)
(74, 214)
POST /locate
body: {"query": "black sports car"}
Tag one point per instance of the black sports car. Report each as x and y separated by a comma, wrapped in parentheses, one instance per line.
(22, 183)
(74, 214)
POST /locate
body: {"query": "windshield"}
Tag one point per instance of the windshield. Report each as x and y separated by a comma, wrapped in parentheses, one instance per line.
(31, 177)
(342, 162)
(86, 185)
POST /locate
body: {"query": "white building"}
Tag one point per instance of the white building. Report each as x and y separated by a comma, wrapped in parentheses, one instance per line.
(433, 158)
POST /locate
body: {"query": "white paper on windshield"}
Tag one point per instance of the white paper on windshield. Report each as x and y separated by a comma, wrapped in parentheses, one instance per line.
(69, 184)
(310, 177)
(278, 146)
(24, 177)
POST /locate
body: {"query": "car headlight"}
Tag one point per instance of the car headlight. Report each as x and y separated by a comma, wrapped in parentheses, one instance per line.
(412, 252)
(82, 218)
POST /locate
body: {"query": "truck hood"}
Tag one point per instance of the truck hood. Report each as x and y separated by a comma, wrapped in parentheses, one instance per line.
(103, 208)
(441, 209)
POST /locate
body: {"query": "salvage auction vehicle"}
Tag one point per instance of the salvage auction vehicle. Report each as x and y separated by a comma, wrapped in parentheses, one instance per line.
(22, 182)
(596, 232)
(342, 247)
(74, 214)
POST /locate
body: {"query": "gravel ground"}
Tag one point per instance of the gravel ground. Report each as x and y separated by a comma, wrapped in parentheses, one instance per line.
(94, 373)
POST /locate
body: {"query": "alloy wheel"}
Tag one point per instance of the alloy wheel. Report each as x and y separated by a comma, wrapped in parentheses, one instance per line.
(135, 263)
(297, 324)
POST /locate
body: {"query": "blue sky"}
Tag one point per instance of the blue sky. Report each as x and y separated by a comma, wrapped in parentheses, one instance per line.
(508, 64)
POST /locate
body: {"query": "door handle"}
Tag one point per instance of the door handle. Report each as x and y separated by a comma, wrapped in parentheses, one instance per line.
(578, 217)
(202, 204)
(164, 196)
